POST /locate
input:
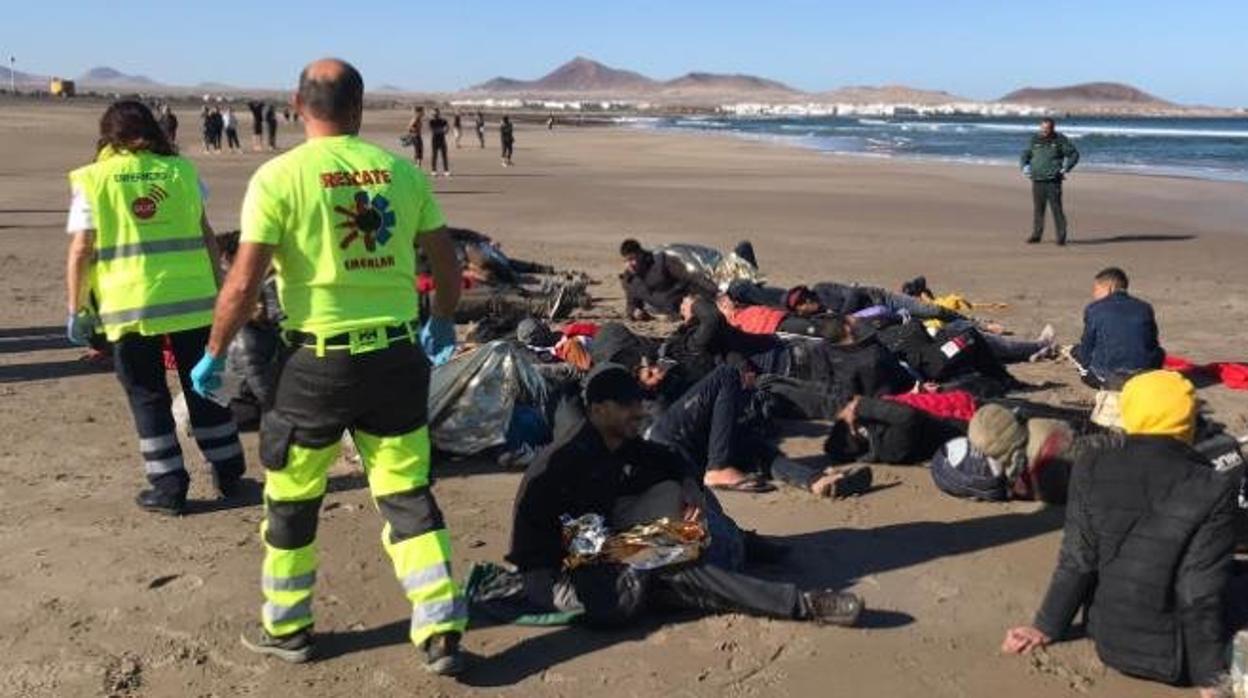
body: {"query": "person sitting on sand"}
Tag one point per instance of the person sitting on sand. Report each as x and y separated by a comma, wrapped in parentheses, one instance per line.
(655, 282)
(1147, 548)
(604, 467)
(1119, 334)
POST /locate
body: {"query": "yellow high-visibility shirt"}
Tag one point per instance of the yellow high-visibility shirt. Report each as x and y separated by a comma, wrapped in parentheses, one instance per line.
(344, 216)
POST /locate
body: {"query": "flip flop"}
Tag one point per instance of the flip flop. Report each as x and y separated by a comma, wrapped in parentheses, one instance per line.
(853, 481)
(751, 485)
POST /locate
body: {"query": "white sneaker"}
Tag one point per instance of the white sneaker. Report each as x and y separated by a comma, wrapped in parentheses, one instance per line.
(1048, 334)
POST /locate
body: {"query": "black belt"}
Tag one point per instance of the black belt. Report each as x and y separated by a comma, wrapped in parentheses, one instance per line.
(406, 331)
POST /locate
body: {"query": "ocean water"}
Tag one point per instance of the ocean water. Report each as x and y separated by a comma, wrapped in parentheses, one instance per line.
(1202, 148)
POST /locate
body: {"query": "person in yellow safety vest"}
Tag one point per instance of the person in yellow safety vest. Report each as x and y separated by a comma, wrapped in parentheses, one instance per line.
(141, 247)
(340, 220)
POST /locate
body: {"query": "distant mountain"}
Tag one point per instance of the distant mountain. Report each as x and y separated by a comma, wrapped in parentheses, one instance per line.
(1087, 93)
(583, 77)
(22, 78)
(387, 88)
(694, 83)
(104, 76)
(579, 75)
(887, 94)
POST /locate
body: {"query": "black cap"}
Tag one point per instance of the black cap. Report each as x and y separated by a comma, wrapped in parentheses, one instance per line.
(612, 382)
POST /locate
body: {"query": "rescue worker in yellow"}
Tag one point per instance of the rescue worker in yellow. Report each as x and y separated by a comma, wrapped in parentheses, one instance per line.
(142, 267)
(340, 220)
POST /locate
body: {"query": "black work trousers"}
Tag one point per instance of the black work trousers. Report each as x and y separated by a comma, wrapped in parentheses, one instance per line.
(140, 366)
(439, 148)
(612, 594)
(1047, 192)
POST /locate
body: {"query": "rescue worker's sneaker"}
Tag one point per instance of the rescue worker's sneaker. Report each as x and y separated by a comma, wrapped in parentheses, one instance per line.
(158, 502)
(295, 648)
(443, 656)
(828, 607)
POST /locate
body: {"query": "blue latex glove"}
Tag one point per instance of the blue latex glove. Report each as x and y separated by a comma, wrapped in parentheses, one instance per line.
(206, 376)
(80, 327)
(1026, 170)
(437, 338)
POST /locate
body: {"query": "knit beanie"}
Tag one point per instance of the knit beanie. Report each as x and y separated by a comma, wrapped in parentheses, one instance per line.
(1159, 403)
(995, 432)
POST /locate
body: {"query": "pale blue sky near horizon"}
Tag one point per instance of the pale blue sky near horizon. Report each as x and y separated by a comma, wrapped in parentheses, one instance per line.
(1191, 52)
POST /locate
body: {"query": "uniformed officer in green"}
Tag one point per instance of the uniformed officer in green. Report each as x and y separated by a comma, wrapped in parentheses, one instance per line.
(1049, 157)
(340, 219)
(143, 269)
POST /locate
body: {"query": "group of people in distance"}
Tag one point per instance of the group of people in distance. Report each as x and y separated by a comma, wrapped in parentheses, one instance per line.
(639, 434)
(439, 127)
(218, 123)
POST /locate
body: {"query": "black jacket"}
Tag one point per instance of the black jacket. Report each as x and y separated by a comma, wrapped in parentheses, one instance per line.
(708, 340)
(577, 475)
(863, 368)
(661, 283)
(1147, 545)
(901, 434)
(617, 344)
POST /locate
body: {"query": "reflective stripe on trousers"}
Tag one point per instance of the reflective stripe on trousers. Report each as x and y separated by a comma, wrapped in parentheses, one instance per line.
(413, 534)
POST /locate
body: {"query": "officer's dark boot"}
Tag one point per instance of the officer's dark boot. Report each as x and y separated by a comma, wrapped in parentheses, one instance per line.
(161, 502)
(166, 496)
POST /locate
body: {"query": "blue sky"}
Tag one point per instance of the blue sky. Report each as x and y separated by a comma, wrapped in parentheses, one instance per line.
(1186, 51)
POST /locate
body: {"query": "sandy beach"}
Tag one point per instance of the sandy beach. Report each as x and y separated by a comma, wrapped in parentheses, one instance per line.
(101, 596)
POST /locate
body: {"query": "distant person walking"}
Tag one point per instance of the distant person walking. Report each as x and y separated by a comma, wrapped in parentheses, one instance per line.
(507, 134)
(415, 133)
(257, 124)
(481, 130)
(270, 125)
(230, 124)
(169, 123)
(1049, 157)
(438, 128)
(459, 128)
(216, 125)
(205, 118)
(550, 122)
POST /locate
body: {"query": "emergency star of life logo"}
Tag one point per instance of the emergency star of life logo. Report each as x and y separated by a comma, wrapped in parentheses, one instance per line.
(369, 220)
(145, 206)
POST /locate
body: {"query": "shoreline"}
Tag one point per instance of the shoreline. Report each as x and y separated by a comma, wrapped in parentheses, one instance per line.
(795, 142)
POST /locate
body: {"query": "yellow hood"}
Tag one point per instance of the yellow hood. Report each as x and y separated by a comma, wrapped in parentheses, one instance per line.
(1159, 403)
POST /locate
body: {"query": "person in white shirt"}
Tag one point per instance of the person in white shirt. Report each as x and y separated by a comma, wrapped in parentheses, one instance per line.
(231, 130)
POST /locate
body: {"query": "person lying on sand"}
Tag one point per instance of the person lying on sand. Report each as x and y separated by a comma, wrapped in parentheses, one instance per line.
(1006, 349)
